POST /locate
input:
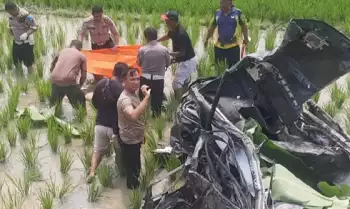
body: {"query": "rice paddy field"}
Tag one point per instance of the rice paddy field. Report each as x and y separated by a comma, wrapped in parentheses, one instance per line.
(45, 153)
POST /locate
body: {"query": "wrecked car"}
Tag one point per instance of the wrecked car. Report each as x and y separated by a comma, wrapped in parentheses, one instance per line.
(241, 133)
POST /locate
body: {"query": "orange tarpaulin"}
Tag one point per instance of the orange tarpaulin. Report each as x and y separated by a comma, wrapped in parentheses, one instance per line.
(102, 61)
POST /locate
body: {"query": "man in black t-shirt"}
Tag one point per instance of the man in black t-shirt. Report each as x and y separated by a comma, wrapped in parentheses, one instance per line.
(105, 99)
(183, 52)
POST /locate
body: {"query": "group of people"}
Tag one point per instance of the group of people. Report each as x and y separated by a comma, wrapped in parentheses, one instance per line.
(122, 100)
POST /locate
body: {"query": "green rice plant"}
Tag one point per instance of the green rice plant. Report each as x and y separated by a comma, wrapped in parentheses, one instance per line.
(33, 140)
(11, 200)
(253, 29)
(330, 108)
(66, 161)
(158, 125)
(46, 199)
(195, 27)
(22, 185)
(58, 109)
(11, 136)
(43, 89)
(85, 158)
(338, 95)
(95, 191)
(60, 37)
(29, 157)
(52, 187)
(3, 152)
(24, 86)
(135, 199)
(52, 134)
(24, 125)
(39, 70)
(147, 174)
(13, 100)
(40, 46)
(171, 163)
(171, 107)
(131, 34)
(270, 39)
(5, 117)
(1, 87)
(316, 97)
(80, 113)
(87, 133)
(65, 188)
(105, 174)
(67, 134)
(150, 141)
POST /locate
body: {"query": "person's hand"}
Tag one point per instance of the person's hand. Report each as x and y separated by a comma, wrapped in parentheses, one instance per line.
(23, 37)
(115, 47)
(146, 91)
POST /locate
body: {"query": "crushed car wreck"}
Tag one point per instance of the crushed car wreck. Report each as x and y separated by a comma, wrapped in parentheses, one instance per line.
(256, 117)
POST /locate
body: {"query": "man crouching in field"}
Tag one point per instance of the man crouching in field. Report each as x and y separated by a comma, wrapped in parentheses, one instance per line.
(132, 125)
(65, 70)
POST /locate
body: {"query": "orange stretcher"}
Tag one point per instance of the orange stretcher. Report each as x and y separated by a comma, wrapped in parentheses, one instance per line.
(101, 62)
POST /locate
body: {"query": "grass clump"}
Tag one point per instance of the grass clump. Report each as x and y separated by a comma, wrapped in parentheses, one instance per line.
(147, 174)
(52, 134)
(95, 191)
(11, 136)
(29, 157)
(51, 187)
(105, 174)
(316, 97)
(22, 185)
(67, 134)
(87, 133)
(24, 125)
(65, 188)
(66, 161)
(3, 152)
(12, 200)
(135, 199)
(270, 39)
(80, 113)
(1, 87)
(338, 96)
(330, 108)
(5, 117)
(13, 100)
(158, 125)
(46, 199)
(171, 163)
(43, 89)
(85, 158)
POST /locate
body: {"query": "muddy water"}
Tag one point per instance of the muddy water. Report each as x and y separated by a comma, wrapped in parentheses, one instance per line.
(49, 162)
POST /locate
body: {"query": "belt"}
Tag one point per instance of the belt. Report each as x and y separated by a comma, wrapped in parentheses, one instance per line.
(152, 77)
(101, 43)
(21, 42)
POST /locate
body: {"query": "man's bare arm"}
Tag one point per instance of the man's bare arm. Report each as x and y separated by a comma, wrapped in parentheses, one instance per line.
(163, 38)
(53, 63)
(135, 114)
(83, 71)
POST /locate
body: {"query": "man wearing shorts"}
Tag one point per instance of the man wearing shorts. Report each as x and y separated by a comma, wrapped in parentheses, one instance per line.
(22, 26)
(132, 125)
(99, 26)
(105, 99)
(183, 52)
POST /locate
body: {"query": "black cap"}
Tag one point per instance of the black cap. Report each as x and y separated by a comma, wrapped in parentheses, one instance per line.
(171, 15)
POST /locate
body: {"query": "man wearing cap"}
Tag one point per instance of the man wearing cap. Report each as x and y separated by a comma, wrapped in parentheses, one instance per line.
(99, 26)
(183, 52)
(22, 26)
(226, 20)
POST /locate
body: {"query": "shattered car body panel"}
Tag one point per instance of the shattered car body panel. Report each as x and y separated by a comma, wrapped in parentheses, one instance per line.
(271, 90)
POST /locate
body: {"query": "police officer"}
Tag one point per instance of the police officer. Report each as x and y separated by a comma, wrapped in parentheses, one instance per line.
(226, 20)
(22, 26)
(99, 26)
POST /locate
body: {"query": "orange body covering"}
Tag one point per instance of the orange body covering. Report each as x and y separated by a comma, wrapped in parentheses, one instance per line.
(102, 61)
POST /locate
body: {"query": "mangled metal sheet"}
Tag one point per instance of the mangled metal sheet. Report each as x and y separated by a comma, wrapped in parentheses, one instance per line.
(223, 124)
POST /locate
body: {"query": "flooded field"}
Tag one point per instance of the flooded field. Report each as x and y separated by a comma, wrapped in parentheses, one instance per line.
(46, 170)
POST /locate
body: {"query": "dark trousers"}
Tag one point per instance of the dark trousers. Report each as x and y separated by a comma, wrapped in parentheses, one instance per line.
(131, 157)
(75, 95)
(231, 56)
(23, 53)
(109, 44)
(157, 95)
